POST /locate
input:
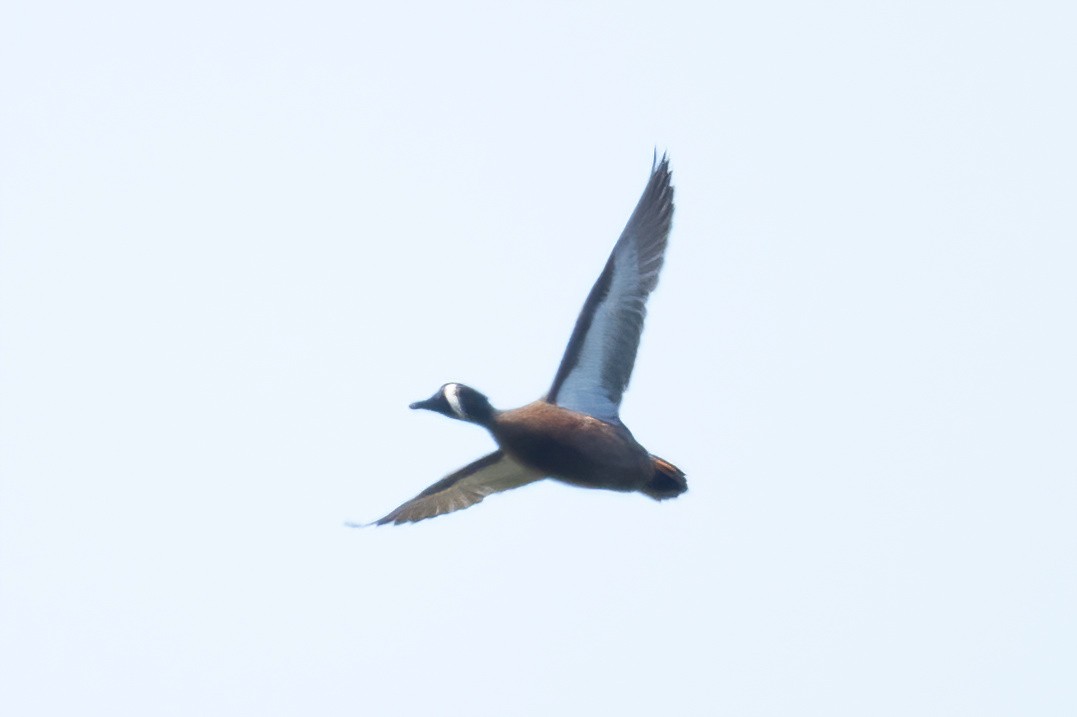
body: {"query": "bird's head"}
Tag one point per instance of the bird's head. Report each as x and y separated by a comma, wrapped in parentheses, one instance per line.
(456, 400)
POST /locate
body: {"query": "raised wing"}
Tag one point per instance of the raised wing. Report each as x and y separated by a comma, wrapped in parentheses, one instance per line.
(464, 488)
(597, 364)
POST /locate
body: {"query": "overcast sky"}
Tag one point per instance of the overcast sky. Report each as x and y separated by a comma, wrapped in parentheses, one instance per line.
(237, 239)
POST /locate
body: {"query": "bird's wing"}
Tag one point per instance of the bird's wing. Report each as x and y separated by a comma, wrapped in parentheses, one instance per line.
(464, 488)
(597, 364)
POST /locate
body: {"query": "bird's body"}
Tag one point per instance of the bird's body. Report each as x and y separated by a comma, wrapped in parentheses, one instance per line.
(574, 434)
(573, 447)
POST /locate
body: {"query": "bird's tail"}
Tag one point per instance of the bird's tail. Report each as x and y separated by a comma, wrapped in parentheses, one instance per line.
(668, 480)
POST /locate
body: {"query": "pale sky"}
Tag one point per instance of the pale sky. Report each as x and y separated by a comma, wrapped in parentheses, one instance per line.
(238, 239)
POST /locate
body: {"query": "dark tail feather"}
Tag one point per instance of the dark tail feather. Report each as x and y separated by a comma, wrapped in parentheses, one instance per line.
(668, 481)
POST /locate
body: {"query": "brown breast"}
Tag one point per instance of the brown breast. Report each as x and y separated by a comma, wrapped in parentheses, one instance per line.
(573, 447)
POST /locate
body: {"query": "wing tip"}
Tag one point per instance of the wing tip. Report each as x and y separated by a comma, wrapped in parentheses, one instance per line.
(401, 517)
(660, 165)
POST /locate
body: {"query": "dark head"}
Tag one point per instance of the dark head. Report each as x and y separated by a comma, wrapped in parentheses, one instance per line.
(456, 400)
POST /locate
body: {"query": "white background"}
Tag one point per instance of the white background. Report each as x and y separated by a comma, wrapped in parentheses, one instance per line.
(237, 239)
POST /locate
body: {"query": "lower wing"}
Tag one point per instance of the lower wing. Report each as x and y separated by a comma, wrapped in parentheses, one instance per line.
(464, 488)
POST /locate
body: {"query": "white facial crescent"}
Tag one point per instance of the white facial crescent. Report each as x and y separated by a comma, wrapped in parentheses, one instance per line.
(452, 395)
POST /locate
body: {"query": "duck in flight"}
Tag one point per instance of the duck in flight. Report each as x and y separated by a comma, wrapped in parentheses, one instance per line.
(574, 433)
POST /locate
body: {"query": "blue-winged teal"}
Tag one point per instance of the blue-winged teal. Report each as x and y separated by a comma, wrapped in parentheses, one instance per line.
(574, 433)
